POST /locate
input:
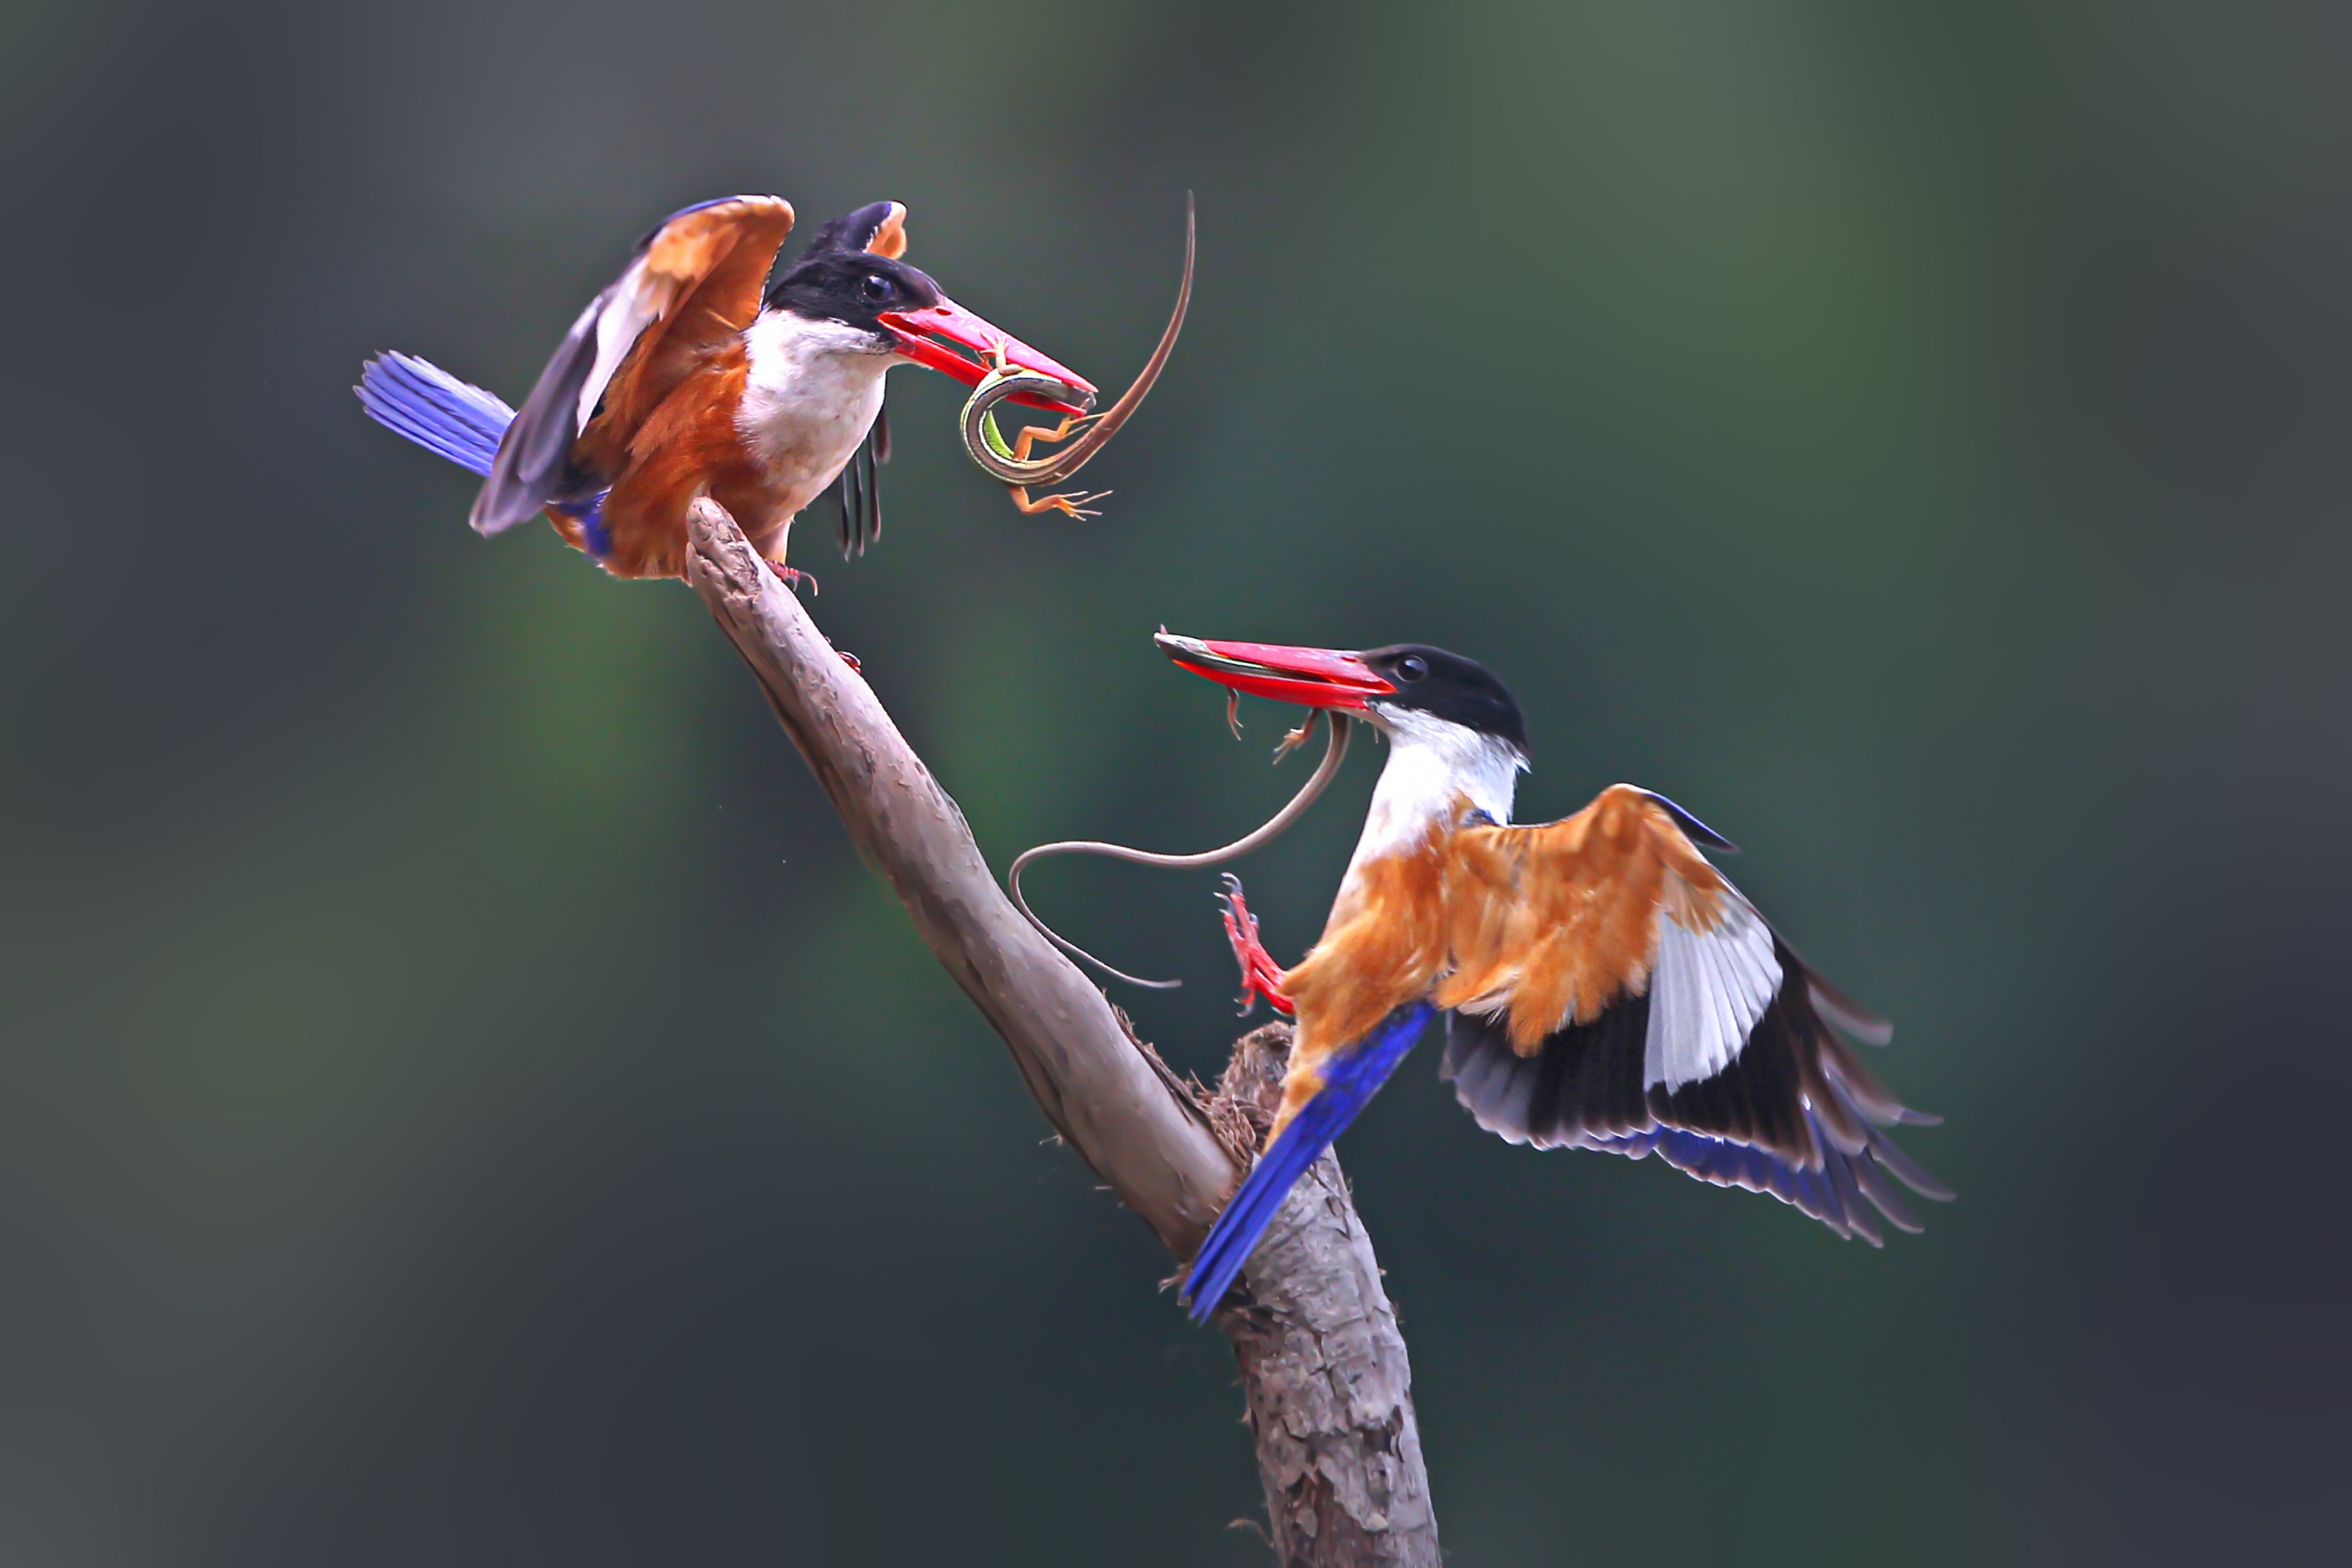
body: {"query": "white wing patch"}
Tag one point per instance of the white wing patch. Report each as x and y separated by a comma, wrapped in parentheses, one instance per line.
(1707, 994)
(623, 312)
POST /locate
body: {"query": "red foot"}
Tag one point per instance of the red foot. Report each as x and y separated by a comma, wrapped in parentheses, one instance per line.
(851, 660)
(792, 576)
(1261, 975)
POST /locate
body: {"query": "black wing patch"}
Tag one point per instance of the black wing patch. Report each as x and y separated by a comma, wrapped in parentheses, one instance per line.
(534, 465)
(1697, 832)
(1584, 1083)
(1792, 1113)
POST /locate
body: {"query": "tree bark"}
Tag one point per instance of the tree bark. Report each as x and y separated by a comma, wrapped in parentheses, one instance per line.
(1323, 1365)
(1323, 1362)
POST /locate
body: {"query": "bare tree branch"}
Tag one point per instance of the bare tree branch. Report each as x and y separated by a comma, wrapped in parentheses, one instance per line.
(1323, 1365)
(1323, 1362)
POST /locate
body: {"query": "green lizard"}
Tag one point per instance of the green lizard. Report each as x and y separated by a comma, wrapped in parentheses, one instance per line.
(1011, 465)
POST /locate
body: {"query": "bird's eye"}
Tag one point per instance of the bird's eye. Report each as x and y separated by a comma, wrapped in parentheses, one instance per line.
(876, 288)
(1411, 668)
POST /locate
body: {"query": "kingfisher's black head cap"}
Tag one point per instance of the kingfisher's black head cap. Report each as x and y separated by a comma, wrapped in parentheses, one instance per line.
(853, 271)
(1449, 687)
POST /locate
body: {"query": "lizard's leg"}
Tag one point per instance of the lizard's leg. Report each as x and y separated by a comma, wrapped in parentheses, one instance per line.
(1032, 433)
(1070, 505)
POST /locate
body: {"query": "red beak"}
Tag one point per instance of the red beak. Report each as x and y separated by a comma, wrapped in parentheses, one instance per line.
(948, 319)
(1315, 677)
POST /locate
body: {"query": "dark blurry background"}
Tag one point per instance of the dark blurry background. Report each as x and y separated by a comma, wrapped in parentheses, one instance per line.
(463, 1103)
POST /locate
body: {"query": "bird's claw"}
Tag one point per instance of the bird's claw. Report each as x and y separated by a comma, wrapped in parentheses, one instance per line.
(792, 578)
(1261, 975)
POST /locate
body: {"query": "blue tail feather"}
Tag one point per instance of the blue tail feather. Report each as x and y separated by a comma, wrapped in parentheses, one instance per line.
(419, 400)
(1353, 1078)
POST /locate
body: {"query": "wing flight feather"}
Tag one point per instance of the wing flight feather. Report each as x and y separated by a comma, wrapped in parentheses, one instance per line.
(694, 282)
(1610, 990)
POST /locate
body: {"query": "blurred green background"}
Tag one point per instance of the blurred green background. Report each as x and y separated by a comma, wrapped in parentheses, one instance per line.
(463, 1103)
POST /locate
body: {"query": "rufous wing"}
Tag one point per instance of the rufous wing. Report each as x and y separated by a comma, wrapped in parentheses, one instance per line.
(1551, 924)
(1610, 990)
(694, 282)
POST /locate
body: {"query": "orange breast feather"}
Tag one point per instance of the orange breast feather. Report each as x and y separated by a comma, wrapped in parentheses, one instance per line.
(1385, 944)
(1556, 921)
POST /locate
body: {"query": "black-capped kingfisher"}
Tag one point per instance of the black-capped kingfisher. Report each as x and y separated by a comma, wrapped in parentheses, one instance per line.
(1603, 985)
(692, 375)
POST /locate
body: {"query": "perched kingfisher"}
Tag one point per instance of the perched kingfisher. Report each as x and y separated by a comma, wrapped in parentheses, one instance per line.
(684, 379)
(1603, 985)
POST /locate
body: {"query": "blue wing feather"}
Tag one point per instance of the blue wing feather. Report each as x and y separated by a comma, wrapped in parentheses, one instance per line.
(1354, 1077)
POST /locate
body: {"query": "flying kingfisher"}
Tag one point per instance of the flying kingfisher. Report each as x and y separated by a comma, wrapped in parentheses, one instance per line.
(692, 375)
(1603, 985)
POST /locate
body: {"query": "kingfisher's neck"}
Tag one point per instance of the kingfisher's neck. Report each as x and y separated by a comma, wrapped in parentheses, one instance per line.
(810, 392)
(810, 369)
(1434, 770)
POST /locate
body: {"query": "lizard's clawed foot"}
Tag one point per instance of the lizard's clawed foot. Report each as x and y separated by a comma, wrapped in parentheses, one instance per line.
(1261, 975)
(792, 576)
(1068, 504)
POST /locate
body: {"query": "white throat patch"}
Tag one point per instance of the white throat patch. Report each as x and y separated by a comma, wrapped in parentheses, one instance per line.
(812, 393)
(1430, 762)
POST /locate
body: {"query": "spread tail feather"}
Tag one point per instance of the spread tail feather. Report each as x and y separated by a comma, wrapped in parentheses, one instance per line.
(1353, 1080)
(418, 399)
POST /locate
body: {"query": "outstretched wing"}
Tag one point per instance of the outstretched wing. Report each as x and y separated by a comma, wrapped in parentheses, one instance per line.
(694, 282)
(1612, 990)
